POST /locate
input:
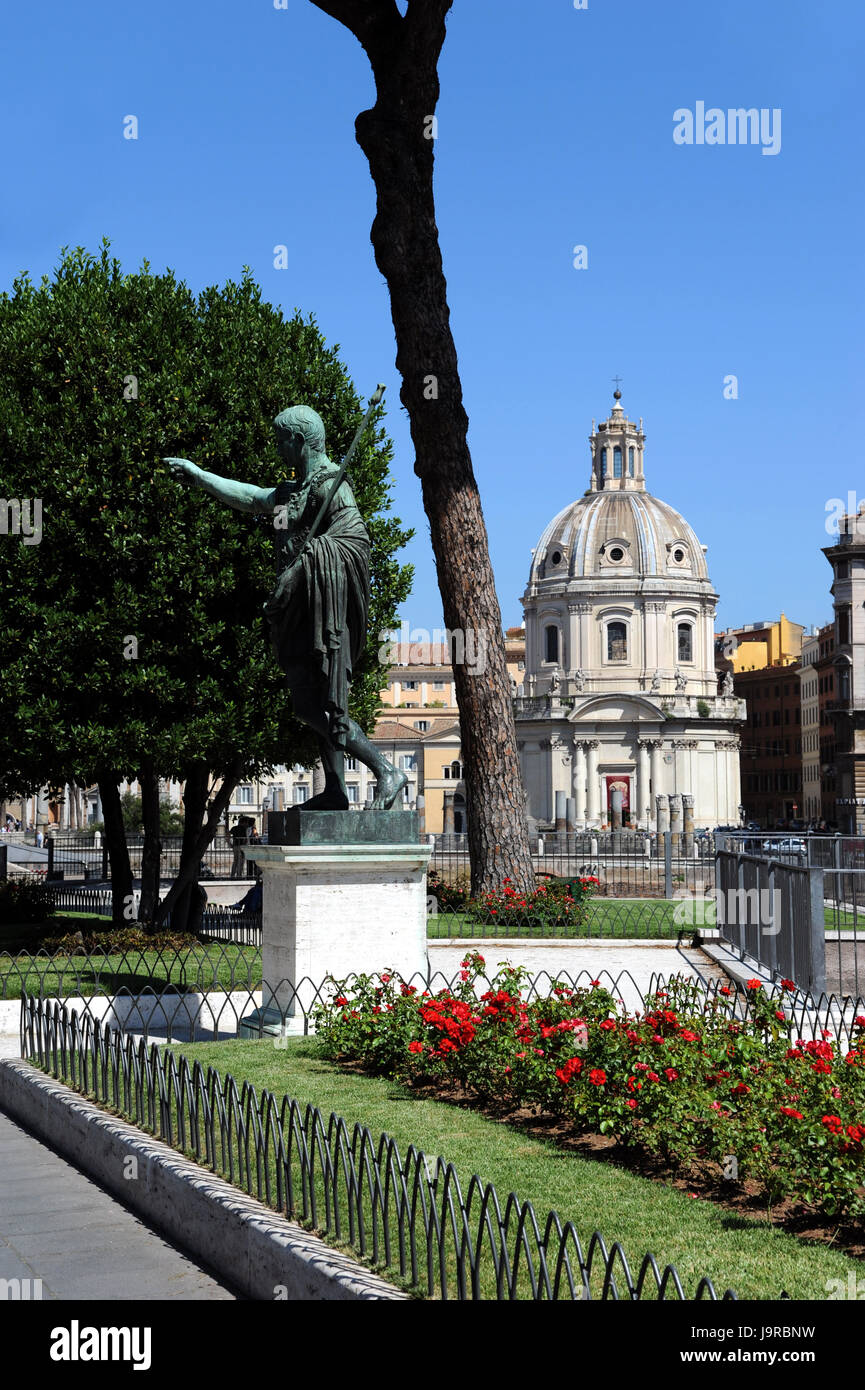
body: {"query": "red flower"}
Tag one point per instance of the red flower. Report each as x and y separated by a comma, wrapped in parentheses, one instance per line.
(608, 1025)
(788, 984)
(856, 1133)
(341, 1000)
(724, 989)
(689, 1037)
(671, 1074)
(754, 984)
(415, 1047)
(779, 1013)
(794, 1114)
(598, 1077)
(385, 979)
(594, 983)
(632, 1104)
(740, 1090)
(834, 1123)
(569, 1069)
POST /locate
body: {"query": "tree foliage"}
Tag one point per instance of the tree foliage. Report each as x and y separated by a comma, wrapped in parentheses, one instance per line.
(132, 642)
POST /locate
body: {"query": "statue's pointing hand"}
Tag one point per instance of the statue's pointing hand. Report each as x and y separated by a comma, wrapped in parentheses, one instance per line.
(184, 470)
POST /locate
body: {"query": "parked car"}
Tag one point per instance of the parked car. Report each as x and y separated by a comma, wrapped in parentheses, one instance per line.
(787, 847)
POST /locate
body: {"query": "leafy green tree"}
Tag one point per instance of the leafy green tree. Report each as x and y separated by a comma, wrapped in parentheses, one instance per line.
(132, 643)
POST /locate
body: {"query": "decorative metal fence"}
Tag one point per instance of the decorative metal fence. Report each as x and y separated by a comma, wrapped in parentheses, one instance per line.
(627, 864)
(80, 857)
(201, 993)
(405, 1215)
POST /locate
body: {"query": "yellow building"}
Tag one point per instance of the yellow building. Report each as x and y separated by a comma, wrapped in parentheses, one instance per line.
(757, 646)
(418, 729)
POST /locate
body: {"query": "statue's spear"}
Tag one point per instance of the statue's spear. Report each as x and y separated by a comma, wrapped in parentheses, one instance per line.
(337, 482)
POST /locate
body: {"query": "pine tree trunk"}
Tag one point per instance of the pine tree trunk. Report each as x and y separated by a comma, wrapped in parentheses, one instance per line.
(395, 135)
(199, 828)
(118, 854)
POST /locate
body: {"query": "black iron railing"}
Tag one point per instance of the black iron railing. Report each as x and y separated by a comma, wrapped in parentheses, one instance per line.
(407, 1215)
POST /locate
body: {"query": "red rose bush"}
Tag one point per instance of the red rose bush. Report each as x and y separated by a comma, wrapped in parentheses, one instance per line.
(685, 1078)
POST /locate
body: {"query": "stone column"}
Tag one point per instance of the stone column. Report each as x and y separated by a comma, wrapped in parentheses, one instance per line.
(642, 781)
(580, 780)
(448, 822)
(676, 824)
(688, 823)
(657, 768)
(572, 814)
(593, 785)
(561, 812)
(662, 813)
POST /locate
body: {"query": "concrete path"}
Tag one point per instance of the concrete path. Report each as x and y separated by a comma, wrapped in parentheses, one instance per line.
(60, 1227)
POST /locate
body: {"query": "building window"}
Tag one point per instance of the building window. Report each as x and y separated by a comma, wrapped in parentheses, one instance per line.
(617, 642)
(244, 796)
(843, 626)
(438, 685)
(351, 764)
(300, 793)
(352, 791)
(551, 643)
(617, 462)
(456, 771)
(422, 725)
(630, 463)
(685, 642)
(407, 762)
(603, 463)
(409, 685)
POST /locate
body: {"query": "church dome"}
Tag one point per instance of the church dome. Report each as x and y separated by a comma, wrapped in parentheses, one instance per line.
(610, 533)
(618, 528)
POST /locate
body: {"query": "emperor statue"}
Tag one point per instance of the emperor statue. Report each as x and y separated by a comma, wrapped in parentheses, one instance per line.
(317, 613)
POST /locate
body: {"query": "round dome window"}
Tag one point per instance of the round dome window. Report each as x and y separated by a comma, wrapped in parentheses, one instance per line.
(617, 554)
(678, 556)
(556, 557)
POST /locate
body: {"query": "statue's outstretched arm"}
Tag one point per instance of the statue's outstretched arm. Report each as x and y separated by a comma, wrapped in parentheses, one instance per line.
(243, 497)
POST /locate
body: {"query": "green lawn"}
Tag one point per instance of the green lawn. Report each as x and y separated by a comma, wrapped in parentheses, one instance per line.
(700, 1238)
(205, 966)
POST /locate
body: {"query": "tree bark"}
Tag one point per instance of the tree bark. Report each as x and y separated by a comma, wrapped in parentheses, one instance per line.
(118, 853)
(200, 832)
(151, 854)
(395, 135)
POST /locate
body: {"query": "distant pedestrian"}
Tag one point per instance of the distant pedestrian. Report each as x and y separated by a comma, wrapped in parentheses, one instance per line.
(240, 834)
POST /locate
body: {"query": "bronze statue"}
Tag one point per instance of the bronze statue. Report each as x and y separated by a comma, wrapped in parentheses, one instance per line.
(317, 612)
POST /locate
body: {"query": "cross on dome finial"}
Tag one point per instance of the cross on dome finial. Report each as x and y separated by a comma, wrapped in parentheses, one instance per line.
(617, 395)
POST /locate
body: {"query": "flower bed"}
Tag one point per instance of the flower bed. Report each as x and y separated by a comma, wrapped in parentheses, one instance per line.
(556, 902)
(683, 1079)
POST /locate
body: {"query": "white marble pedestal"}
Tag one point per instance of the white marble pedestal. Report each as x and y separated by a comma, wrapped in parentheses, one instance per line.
(334, 911)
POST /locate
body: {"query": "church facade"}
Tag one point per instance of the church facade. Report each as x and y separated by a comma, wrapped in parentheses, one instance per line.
(620, 691)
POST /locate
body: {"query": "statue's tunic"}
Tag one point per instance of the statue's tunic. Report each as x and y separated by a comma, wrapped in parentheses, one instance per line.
(318, 623)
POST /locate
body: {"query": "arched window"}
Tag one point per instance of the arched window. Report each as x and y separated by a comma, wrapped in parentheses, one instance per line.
(456, 771)
(617, 642)
(630, 463)
(603, 463)
(617, 462)
(552, 644)
(685, 642)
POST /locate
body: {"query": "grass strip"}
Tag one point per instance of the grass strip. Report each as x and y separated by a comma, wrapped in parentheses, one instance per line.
(754, 1259)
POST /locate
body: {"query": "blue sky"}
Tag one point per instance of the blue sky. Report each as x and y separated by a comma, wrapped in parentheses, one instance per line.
(555, 129)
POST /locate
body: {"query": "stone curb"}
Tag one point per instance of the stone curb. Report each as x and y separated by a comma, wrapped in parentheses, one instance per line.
(258, 1252)
(735, 968)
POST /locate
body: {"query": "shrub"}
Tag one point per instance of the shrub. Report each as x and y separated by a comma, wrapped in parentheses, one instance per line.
(685, 1079)
(25, 902)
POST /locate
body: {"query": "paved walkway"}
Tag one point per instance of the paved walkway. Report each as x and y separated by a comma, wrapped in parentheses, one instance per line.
(58, 1226)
